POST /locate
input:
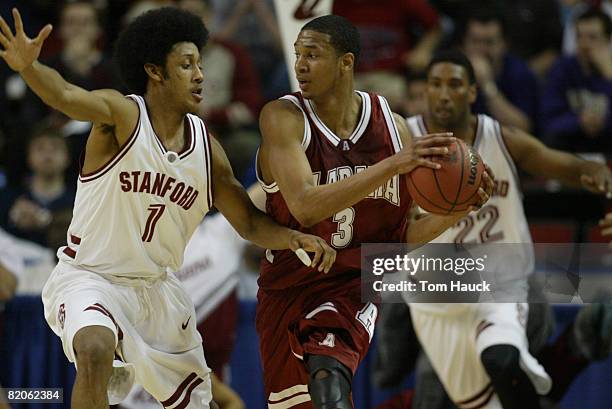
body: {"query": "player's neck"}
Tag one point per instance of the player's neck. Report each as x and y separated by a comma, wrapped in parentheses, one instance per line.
(463, 130)
(167, 123)
(339, 111)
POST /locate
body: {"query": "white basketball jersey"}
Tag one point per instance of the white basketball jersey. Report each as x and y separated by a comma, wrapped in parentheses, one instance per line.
(502, 219)
(135, 215)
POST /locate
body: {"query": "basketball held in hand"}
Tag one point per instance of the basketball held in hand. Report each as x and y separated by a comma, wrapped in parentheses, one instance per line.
(453, 187)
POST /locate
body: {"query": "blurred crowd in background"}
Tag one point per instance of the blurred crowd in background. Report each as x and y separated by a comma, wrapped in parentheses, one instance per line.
(541, 65)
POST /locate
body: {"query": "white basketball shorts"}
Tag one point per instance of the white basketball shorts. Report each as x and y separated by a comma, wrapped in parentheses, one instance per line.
(453, 342)
(157, 343)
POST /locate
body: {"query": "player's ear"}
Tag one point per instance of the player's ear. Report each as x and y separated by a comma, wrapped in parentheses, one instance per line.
(347, 61)
(472, 93)
(155, 72)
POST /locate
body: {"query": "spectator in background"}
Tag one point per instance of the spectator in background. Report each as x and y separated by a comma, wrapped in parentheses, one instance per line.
(415, 97)
(507, 89)
(570, 10)
(232, 93)
(576, 109)
(28, 212)
(389, 41)
(79, 59)
(252, 23)
(535, 32)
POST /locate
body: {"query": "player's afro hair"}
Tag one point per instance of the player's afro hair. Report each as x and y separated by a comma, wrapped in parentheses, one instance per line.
(150, 38)
(344, 35)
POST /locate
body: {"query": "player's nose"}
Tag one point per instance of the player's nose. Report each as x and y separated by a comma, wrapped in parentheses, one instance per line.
(199, 75)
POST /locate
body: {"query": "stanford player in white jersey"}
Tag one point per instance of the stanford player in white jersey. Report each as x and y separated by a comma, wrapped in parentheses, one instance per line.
(479, 351)
(149, 175)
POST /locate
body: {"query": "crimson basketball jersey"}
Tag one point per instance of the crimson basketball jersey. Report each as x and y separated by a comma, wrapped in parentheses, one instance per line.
(378, 218)
(135, 215)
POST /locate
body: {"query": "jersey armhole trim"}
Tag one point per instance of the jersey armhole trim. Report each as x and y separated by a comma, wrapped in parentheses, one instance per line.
(502, 145)
(307, 132)
(208, 158)
(88, 177)
(268, 188)
(391, 125)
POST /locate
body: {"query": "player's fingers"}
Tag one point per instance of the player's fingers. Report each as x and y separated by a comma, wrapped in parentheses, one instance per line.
(331, 259)
(489, 171)
(438, 151)
(5, 29)
(436, 140)
(484, 196)
(326, 262)
(18, 21)
(427, 163)
(607, 231)
(318, 254)
(586, 180)
(4, 41)
(43, 34)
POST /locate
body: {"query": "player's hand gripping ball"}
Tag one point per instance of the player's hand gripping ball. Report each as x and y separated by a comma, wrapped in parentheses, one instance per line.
(453, 187)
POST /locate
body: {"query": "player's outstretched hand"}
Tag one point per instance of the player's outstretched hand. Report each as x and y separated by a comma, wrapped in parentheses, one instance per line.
(420, 151)
(324, 255)
(600, 181)
(18, 50)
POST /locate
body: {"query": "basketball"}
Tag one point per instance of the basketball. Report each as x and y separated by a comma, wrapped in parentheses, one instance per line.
(453, 187)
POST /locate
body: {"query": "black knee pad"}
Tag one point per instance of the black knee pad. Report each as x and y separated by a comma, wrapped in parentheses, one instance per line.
(501, 362)
(331, 392)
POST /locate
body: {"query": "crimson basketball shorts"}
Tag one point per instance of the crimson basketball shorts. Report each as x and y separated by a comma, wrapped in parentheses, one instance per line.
(318, 319)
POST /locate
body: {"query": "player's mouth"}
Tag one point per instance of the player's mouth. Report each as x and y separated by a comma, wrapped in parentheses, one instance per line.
(444, 112)
(197, 94)
(303, 84)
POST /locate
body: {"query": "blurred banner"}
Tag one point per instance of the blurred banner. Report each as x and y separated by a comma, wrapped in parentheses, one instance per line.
(292, 15)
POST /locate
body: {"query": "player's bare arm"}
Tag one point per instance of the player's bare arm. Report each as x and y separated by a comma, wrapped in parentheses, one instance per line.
(282, 159)
(427, 227)
(107, 107)
(233, 202)
(538, 159)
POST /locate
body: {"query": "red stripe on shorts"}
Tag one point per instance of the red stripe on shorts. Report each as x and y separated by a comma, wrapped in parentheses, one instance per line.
(177, 394)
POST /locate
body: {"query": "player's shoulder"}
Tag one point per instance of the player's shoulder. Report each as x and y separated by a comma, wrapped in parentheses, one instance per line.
(282, 107)
(281, 117)
(122, 106)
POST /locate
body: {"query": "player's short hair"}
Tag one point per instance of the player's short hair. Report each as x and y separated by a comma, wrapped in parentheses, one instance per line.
(595, 13)
(150, 38)
(344, 36)
(454, 57)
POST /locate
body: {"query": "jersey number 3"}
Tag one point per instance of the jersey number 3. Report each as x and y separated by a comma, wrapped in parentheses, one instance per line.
(343, 236)
(155, 213)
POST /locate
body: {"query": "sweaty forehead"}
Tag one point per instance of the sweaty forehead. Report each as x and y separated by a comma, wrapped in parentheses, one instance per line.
(447, 70)
(313, 39)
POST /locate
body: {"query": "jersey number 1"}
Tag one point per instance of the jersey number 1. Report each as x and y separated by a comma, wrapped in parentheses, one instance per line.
(155, 212)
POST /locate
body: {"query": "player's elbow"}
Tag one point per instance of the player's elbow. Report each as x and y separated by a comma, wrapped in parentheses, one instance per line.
(303, 214)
